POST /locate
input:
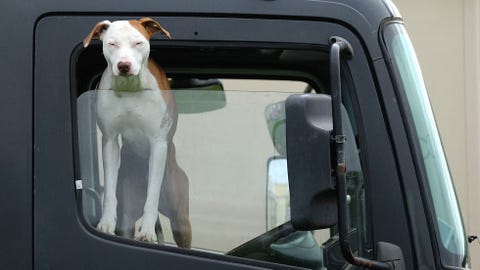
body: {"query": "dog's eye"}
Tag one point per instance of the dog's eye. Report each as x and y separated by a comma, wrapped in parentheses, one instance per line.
(112, 44)
(139, 43)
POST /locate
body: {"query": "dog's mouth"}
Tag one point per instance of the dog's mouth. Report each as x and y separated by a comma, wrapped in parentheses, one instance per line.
(121, 74)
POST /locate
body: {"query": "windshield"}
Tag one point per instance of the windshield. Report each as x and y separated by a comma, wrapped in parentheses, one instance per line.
(447, 215)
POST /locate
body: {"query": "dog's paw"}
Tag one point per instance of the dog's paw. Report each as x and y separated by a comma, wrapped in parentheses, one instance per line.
(145, 232)
(106, 226)
(149, 237)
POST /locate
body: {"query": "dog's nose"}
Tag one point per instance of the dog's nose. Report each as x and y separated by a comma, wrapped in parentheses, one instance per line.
(124, 67)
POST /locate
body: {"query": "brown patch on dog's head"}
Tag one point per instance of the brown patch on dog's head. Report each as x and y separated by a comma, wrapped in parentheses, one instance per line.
(96, 32)
(148, 27)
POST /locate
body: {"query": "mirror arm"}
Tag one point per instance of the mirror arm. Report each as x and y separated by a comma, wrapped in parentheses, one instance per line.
(340, 47)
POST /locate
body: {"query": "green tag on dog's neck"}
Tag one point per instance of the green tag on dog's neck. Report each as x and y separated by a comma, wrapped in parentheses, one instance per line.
(126, 83)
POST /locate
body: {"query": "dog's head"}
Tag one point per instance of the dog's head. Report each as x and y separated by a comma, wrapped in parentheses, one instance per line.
(126, 44)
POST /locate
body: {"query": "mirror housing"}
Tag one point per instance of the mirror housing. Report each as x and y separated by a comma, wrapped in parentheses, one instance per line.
(309, 126)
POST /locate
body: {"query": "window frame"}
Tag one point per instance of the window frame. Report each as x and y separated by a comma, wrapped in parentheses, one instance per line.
(351, 109)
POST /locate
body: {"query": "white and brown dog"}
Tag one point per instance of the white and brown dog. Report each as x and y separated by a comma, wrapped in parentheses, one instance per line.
(134, 102)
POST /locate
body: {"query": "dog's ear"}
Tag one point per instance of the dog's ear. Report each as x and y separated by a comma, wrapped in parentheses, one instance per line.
(96, 32)
(153, 26)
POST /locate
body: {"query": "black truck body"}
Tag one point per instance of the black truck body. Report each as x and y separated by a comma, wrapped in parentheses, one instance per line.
(45, 69)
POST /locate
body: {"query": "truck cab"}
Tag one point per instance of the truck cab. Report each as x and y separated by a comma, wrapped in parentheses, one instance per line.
(304, 127)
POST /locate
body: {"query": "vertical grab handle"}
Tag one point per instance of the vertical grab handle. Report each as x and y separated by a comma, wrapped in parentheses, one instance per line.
(340, 47)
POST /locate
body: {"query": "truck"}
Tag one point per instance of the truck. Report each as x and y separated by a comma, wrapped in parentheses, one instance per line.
(304, 127)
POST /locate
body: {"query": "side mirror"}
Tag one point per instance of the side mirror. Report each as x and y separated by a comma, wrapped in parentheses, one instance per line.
(312, 122)
(309, 126)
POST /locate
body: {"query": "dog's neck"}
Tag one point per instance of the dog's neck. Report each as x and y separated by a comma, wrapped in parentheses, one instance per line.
(127, 83)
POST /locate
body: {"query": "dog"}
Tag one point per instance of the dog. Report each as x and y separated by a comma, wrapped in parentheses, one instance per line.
(134, 102)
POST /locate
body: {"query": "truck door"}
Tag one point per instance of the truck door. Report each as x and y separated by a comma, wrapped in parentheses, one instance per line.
(230, 86)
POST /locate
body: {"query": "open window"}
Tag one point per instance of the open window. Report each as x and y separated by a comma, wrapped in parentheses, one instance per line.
(230, 141)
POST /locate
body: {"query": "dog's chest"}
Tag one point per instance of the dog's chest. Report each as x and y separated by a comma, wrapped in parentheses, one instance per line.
(142, 112)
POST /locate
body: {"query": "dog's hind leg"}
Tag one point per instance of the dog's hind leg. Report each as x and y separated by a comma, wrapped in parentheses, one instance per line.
(174, 200)
(179, 212)
(182, 231)
(180, 221)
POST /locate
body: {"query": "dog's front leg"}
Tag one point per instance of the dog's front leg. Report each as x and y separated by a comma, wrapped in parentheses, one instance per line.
(111, 164)
(145, 226)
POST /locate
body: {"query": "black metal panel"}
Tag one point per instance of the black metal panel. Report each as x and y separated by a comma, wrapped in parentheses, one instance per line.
(15, 139)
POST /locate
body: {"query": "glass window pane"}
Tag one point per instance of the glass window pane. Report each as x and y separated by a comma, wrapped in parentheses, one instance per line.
(229, 143)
